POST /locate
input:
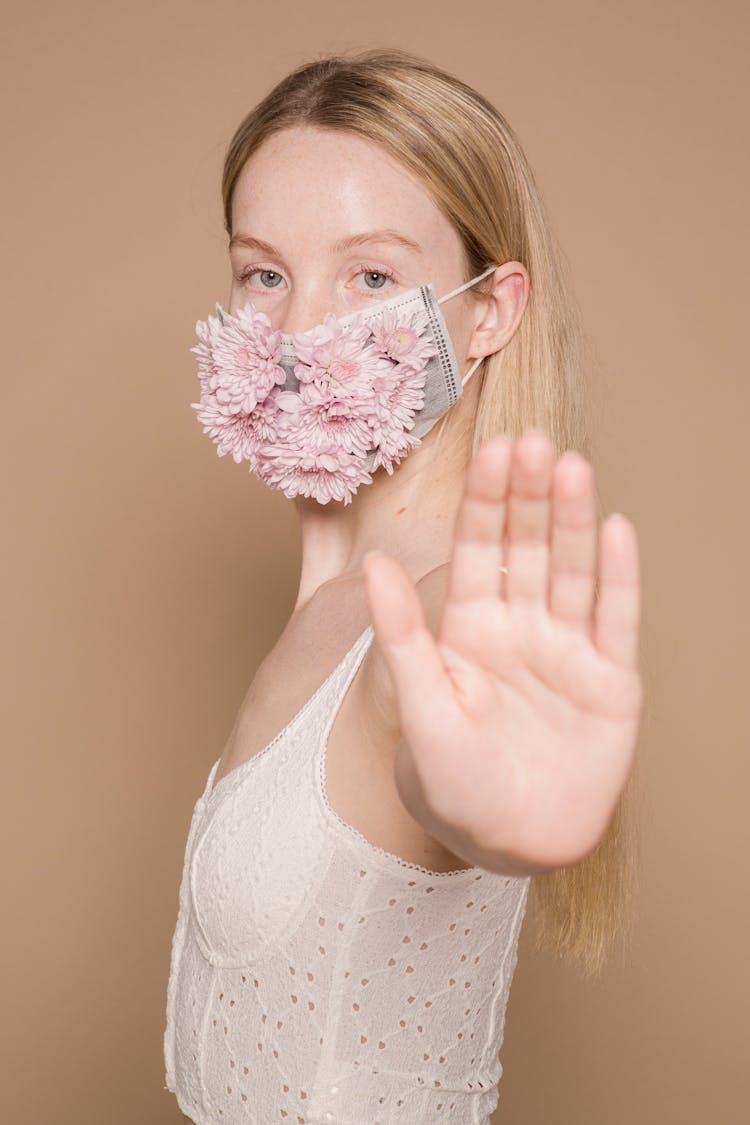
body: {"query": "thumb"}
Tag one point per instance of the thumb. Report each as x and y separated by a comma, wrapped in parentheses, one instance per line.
(402, 634)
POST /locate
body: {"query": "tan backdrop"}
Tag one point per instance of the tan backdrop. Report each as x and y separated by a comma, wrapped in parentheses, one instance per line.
(144, 578)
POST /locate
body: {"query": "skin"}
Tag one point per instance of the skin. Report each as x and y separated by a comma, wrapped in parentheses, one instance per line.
(494, 719)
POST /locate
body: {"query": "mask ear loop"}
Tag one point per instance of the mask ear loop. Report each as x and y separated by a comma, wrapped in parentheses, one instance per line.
(460, 289)
(471, 370)
(466, 285)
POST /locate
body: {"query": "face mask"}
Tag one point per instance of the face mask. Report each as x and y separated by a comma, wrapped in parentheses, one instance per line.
(316, 412)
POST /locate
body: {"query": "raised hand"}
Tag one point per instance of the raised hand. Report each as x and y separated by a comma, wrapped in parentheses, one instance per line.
(520, 717)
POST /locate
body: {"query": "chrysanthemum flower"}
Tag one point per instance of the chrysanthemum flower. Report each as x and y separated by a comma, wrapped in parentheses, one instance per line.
(398, 335)
(327, 473)
(321, 418)
(239, 434)
(238, 359)
(333, 354)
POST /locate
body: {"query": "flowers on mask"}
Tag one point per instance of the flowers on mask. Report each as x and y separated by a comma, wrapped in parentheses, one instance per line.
(238, 360)
(348, 398)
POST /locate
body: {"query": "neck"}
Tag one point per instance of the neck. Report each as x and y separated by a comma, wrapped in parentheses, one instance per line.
(409, 514)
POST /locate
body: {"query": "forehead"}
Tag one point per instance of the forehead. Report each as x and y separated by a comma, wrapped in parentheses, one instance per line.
(316, 185)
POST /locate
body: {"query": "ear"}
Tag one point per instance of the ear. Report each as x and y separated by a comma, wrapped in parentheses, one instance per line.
(501, 310)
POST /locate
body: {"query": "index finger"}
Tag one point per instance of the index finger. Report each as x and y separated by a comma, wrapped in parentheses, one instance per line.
(478, 536)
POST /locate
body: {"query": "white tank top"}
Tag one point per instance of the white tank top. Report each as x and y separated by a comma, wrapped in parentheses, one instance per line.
(316, 977)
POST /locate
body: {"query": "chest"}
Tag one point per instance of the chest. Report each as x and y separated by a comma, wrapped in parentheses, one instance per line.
(360, 749)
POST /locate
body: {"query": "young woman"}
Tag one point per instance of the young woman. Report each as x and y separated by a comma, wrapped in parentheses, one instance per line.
(452, 708)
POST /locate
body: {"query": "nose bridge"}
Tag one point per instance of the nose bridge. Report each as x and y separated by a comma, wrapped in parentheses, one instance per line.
(306, 307)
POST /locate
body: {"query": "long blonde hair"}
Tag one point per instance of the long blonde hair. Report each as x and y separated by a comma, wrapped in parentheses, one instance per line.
(465, 152)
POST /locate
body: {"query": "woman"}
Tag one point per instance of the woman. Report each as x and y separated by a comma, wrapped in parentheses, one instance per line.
(357, 868)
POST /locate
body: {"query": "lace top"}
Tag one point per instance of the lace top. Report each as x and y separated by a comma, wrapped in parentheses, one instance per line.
(316, 977)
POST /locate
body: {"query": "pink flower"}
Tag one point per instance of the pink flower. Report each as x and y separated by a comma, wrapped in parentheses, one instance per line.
(240, 434)
(322, 418)
(326, 473)
(393, 445)
(397, 396)
(333, 354)
(238, 359)
(397, 335)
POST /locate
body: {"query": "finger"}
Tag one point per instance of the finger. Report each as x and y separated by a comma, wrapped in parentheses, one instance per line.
(477, 551)
(528, 520)
(402, 634)
(618, 608)
(574, 541)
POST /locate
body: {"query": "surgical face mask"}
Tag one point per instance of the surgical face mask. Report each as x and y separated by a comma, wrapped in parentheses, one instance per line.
(315, 413)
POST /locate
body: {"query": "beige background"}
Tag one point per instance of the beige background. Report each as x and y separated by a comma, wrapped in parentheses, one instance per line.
(144, 578)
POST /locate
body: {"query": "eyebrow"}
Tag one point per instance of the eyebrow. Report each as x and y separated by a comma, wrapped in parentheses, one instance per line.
(339, 247)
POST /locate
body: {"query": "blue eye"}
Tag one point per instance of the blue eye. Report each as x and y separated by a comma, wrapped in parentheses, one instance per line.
(264, 273)
(369, 274)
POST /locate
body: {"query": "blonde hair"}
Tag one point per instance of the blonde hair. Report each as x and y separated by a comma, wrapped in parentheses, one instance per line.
(465, 152)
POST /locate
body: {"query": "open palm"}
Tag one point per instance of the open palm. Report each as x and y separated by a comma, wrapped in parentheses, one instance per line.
(520, 717)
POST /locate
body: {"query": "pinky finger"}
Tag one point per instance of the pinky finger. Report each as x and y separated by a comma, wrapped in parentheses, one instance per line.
(618, 608)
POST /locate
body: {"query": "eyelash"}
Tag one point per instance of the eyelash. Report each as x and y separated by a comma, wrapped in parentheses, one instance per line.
(360, 269)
